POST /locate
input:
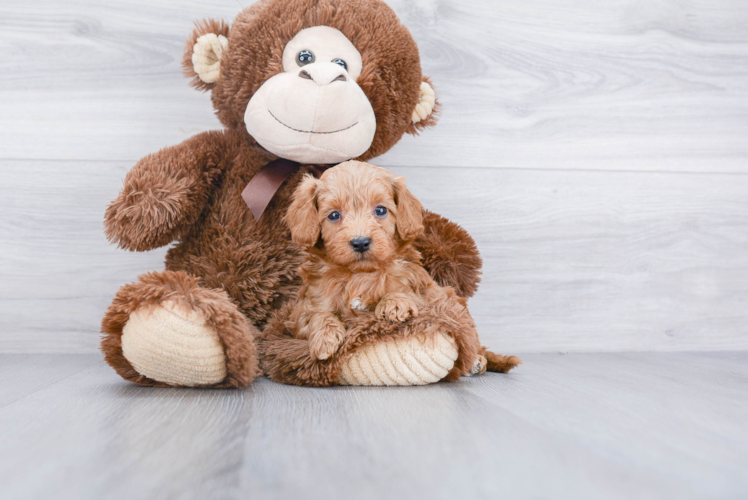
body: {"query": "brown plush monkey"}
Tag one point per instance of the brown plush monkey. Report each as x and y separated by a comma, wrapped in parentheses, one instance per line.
(299, 85)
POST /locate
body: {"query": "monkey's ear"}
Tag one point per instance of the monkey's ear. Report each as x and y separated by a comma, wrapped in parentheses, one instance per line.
(203, 51)
(409, 211)
(302, 217)
(424, 115)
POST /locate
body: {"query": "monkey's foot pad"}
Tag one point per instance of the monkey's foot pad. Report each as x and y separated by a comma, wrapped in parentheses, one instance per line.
(173, 346)
(440, 343)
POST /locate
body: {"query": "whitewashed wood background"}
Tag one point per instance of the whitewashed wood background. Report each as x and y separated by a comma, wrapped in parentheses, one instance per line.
(597, 151)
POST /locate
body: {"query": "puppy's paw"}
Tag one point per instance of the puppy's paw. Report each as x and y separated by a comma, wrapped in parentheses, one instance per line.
(479, 367)
(325, 342)
(398, 308)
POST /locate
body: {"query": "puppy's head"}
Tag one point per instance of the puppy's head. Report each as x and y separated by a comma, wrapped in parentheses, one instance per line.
(356, 215)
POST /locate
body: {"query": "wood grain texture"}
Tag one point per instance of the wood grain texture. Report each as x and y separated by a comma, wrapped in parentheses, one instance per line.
(525, 84)
(602, 261)
(58, 272)
(654, 426)
(611, 211)
(574, 260)
(596, 152)
(24, 374)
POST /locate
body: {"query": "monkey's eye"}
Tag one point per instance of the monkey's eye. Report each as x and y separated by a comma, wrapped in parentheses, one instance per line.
(380, 211)
(340, 62)
(334, 216)
(305, 57)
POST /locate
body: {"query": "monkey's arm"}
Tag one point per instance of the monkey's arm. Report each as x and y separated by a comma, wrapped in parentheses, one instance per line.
(449, 254)
(165, 193)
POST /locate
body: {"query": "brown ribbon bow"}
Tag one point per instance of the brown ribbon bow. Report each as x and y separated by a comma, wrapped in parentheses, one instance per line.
(263, 186)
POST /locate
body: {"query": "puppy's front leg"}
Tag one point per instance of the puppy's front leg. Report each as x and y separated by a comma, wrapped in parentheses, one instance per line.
(397, 306)
(326, 334)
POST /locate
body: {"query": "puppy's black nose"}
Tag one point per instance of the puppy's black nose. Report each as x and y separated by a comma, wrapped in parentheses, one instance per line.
(360, 244)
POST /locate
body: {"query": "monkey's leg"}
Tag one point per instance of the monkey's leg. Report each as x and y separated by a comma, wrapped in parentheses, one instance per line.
(167, 330)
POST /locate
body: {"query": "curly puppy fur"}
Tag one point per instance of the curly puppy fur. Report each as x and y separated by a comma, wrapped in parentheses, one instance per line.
(357, 223)
(287, 359)
(191, 193)
(351, 294)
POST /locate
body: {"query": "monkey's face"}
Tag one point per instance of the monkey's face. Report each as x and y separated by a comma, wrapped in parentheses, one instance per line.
(314, 111)
(316, 81)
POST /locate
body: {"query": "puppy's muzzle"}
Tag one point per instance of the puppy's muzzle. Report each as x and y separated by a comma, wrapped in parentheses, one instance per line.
(361, 244)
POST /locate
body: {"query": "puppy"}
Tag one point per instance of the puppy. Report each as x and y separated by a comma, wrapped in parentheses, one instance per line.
(357, 223)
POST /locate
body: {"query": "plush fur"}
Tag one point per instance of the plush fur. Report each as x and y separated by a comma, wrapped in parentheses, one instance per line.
(391, 75)
(350, 298)
(450, 254)
(234, 330)
(223, 260)
(288, 360)
(204, 27)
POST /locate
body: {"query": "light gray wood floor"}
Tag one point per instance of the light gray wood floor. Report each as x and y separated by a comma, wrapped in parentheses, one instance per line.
(641, 425)
(595, 150)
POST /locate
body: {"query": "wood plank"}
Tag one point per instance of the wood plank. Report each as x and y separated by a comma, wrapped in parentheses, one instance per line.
(639, 425)
(601, 261)
(25, 374)
(648, 411)
(59, 274)
(531, 84)
(574, 261)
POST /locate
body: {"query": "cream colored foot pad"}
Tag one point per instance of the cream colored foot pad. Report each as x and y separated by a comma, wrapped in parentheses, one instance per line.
(173, 346)
(402, 361)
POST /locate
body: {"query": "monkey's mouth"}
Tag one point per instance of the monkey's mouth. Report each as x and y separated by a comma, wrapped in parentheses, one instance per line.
(311, 131)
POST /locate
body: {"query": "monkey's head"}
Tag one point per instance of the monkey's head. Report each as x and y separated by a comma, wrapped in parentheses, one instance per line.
(314, 81)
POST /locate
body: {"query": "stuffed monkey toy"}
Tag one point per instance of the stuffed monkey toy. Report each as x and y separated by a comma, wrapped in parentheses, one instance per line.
(299, 86)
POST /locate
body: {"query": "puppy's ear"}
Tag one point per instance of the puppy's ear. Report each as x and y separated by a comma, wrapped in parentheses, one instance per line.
(409, 211)
(302, 217)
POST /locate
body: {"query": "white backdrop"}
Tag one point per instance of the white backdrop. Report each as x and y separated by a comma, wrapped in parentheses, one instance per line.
(597, 151)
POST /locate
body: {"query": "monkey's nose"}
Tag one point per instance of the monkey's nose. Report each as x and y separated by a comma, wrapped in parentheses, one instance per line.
(323, 73)
(361, 244)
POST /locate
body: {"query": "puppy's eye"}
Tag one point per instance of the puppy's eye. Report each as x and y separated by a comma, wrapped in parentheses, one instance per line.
(380, 211)
(340, 62)
(305, 57)
(334, 216)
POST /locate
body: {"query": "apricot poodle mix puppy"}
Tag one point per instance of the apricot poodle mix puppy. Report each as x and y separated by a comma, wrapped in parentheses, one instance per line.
(358, 222)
